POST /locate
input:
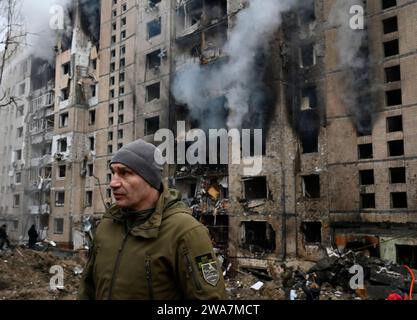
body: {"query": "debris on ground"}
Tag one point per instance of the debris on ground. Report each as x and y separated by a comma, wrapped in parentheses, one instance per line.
(25, 274)
(334, 275)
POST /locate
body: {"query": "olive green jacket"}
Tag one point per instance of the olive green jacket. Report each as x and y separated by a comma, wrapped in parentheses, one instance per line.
(168, 257)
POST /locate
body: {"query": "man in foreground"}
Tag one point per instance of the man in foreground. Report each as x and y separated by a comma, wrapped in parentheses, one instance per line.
(148, 245)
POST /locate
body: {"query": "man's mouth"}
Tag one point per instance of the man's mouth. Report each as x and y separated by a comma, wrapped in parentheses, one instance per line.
(118, 196)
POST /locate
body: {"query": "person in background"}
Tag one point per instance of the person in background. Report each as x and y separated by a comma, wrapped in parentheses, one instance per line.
(33, 236)
(4, 238)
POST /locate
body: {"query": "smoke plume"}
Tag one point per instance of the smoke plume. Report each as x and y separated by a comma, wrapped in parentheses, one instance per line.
(41, 38)
(351, 45)
(238, 78)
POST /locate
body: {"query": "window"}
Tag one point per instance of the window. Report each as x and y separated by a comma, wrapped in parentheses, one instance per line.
(154, 28)
(108, 193)
(395, 148)
(390, 25)
(111, 108)
(153, 92)
(255, 188)
(365, 151)
(395, 124)
(122, 51)
(122, 77)
(308, 98)
(92, 117)
(394, 97)
(153, 59)
(62, 145)
(119, 146)
(120, 119)
(153, 3)
(18, 177)
(111, 121)
(397, 175)
(58, 225)
(312, 232)
(308, 57)
(120, 134)
(110, 136)
(123, 34)
(88, 198)
(109, 149)
(108, 177)
(311, 186)
(19, 111)
(91, 141)
(258, 236)
(93, 89)
(64, 94)
(121, 90)
(366, 177)
(112, 67)
(94, 64)
(151, 125)
(122, 63)
(388, 4)
(121, 105)
(124, 7)
(399, 200)
(22, 88)
(59, 198)
(63, 120)
(391, 48)
(19, 132)
(90, 170)
(368, 201)
(114, 13)
(392, 74)
(62, 171)
(111, 93)
(18, 155)
(66, 68)
(123, 21)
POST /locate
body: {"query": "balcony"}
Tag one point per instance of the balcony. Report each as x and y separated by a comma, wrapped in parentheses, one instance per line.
(43, 101)
(41, 161)
(40, 210)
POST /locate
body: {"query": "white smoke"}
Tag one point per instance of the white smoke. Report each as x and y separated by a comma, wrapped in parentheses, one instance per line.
(36, 15)
(236, 79)
(353, 62)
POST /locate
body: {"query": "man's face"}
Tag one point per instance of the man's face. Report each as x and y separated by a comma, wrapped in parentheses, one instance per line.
(129, 189)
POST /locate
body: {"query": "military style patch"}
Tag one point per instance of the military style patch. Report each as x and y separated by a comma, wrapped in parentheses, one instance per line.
(209, 269)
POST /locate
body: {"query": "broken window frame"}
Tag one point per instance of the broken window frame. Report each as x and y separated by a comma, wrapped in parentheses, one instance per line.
(259, 195)
(262, 244)
(151, 127)
(317, 192)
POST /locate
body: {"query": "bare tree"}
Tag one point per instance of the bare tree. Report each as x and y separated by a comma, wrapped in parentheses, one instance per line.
(12, 37)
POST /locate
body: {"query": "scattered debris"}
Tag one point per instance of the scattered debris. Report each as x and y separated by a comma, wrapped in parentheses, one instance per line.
(25, 274)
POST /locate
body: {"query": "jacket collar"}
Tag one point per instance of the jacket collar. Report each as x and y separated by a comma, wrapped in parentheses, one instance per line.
(150, 228)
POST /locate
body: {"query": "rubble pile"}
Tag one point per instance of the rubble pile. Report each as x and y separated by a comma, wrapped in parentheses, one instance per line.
(380, 278)
(338, 277)
(25, 274)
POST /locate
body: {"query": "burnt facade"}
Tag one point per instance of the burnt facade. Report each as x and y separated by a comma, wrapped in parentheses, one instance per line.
(335, 100)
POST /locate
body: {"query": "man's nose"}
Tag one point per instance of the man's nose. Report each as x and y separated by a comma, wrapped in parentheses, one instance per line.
(115, 182)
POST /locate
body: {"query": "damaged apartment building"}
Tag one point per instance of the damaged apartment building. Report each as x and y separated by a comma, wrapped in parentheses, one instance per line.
(337, 107)
(338, 158)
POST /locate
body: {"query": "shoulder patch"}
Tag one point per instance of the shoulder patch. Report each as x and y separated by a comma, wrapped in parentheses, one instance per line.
(209, 268)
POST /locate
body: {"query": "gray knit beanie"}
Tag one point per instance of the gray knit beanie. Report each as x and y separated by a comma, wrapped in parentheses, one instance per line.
(140, 157)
